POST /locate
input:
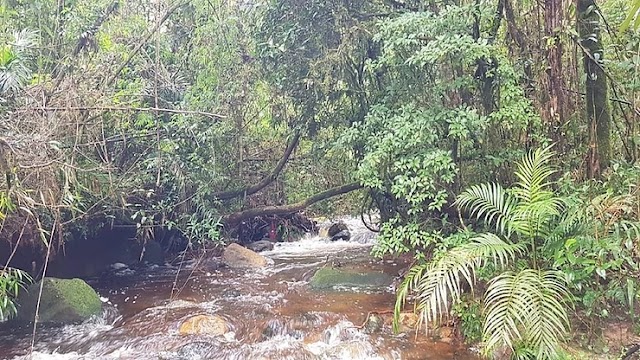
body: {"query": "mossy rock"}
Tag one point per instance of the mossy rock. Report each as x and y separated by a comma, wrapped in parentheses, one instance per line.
(63, 301)
(331, 278)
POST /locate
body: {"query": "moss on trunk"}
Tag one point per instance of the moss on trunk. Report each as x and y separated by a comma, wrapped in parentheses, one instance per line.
(598, 114)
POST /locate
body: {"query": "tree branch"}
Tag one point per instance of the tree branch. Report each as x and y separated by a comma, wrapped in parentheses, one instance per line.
(235, 218)
(226, 195)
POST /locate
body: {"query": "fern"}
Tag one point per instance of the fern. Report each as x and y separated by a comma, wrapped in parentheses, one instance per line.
(526, 307)
(491, 203)
(439, 283)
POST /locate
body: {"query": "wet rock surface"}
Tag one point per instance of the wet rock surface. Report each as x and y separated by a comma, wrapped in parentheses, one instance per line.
(63, 301)
(213, 325)
(344, 235)
(260, 246)
(237, 256)
(336, 228)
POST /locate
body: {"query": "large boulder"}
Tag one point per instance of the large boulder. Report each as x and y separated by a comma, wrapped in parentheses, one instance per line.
(212, 325)
(235, 255)
(331, 278)
(63, 301)
(339, 231)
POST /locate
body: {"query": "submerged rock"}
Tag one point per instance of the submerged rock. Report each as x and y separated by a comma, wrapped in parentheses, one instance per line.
(342, 235)
(374, 323)
(192, 351)
(356, 349)
(327, 278)
(273, 328)
(213, 325)
(63, 301)
(408, 321)
(260, 246)
(237, 256)
(118, 266)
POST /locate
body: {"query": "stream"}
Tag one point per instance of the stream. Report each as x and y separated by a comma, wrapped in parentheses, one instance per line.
(271, 313)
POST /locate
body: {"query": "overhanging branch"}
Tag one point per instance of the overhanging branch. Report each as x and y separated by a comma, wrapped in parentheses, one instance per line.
(250, 190)
(235, 218)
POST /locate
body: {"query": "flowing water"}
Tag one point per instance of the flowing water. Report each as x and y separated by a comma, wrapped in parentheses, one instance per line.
(271, 313)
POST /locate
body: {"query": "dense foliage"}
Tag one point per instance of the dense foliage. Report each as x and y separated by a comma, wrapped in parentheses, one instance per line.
(182, 119)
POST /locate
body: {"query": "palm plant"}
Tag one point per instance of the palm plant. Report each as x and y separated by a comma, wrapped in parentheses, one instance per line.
(523, 305)
(15, 60)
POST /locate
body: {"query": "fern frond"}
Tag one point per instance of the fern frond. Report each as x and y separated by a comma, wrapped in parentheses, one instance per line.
(534, 219)
(439, 283)
(489, 202)
(533, 174)
(527, 306)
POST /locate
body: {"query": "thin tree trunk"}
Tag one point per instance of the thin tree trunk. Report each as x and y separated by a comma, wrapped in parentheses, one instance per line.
(598, 114)
(554, 12)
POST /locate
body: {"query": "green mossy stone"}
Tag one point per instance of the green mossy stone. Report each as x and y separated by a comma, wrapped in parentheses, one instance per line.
(63, 301)
(331, 278)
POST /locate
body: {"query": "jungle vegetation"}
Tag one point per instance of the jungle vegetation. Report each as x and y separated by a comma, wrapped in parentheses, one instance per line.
(498, 141)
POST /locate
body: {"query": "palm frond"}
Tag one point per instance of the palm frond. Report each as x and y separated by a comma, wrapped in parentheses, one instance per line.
(534, 219)
(489, 202)
(439, 283)
(528, 307)
(533, 174)
(15, 62)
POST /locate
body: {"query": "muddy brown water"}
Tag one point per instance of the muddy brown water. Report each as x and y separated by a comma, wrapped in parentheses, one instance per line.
(272, 313)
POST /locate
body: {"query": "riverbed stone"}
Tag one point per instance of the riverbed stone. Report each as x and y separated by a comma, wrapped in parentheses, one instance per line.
(354, 349)
(63, 301)
(337, 227)
(373, 324)
(408, 321)
(237, 256)
(199, 350)
(328, 278)
(213, 325)
(342, 235)
(260, 246)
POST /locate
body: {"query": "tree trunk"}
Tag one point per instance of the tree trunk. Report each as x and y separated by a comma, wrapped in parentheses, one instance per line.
(598, 115)
(235, 218)
(554, 111)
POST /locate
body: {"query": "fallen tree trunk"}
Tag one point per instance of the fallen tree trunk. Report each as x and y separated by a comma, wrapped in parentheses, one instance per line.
(235, 218)
(226, 195)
